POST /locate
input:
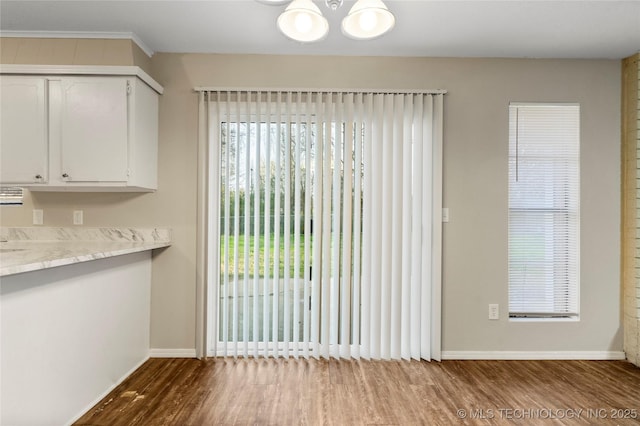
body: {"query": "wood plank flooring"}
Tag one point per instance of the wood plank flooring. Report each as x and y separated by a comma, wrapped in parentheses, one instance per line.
(311, 392)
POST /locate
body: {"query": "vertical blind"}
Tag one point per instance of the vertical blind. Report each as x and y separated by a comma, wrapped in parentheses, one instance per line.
(327, 238)
(544, 210)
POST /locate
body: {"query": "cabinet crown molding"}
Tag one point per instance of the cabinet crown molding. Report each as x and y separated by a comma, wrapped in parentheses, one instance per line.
(97, 70)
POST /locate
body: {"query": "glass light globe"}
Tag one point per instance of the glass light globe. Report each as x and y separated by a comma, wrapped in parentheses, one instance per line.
(303, 22)
(368, 20)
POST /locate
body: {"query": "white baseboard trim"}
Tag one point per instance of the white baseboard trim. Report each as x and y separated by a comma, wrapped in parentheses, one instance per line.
(106, 392)
(534, 355)
(172, 353)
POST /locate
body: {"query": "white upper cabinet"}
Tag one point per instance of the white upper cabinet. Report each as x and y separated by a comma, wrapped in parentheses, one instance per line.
(24, 154)
(80, 132)
(94, 138)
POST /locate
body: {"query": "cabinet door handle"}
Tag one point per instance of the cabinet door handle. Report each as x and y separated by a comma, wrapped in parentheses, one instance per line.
(65, 175)
(38, 177)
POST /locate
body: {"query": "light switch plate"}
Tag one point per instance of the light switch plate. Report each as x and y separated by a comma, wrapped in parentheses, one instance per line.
(445, 214)
(77, 217)
(494, 311)
(38, 216)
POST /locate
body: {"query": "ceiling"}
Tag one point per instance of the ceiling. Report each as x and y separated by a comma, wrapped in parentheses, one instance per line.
(451, 28)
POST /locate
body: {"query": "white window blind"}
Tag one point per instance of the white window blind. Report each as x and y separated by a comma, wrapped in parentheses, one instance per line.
(544, 210)
(327, 232)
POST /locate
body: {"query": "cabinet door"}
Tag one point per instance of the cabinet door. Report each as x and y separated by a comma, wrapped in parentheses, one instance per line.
(23, 130)
(93, 129)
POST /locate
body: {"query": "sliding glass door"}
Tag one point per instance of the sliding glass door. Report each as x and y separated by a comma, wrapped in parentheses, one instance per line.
(318, 202)
(266, 239)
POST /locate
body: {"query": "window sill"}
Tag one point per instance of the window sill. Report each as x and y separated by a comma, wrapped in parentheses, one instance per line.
(572, 319)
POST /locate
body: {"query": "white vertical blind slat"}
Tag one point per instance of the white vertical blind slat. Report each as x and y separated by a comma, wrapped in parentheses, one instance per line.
(256, 224)
(276, 218)
(376, 231)
(266, 313)
(296, 231)
(396, 282)
(246, 120)
(317, 227)
(336, 279)
(214, 228)
(325, 334)
(407, 254)
(367, 227)
(435, 252)
(287, 227)
(387, 227)
(236, 230)
(227, 224)
(427, 228)
(357, 225)
(347, 213)
(416, 228)
(306, 271)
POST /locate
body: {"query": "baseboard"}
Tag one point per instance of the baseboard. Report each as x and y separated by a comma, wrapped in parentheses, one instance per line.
(172, 353)
(534, 355)
(106, 392)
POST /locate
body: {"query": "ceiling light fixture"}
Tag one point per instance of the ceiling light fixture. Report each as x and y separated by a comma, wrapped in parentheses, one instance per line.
(368, 19)
(303, 21)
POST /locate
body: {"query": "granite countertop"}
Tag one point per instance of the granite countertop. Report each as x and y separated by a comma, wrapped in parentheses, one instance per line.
(32, 249)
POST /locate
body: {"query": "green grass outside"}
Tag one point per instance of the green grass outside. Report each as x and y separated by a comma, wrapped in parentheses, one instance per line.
(243, 241)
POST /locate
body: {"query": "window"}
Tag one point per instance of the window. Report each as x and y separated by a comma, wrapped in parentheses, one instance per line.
(544, 210)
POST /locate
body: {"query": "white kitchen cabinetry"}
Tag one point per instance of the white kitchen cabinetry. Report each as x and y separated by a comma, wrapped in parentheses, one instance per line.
(102, 131)
(93, 129)
(24, 145)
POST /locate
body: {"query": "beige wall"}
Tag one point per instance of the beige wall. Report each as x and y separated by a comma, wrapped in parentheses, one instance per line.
(68, 51)
(630, 208)
(475, 185)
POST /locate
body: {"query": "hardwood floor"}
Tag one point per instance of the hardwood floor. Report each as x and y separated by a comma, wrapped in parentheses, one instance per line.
(312, 392)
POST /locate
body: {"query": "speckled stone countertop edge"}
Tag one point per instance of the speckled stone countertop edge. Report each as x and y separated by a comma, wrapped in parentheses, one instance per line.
(31, 249)
(39, 233)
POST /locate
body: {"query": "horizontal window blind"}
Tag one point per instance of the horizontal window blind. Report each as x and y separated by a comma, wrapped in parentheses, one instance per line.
(544, 210)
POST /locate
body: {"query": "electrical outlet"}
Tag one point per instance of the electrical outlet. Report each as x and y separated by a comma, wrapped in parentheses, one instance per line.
(38, 216)
(494, 311)
(77, 217)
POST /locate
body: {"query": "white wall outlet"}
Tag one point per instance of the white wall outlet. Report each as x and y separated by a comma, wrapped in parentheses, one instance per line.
(494, 311)
(38, 216)
(78, 217)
